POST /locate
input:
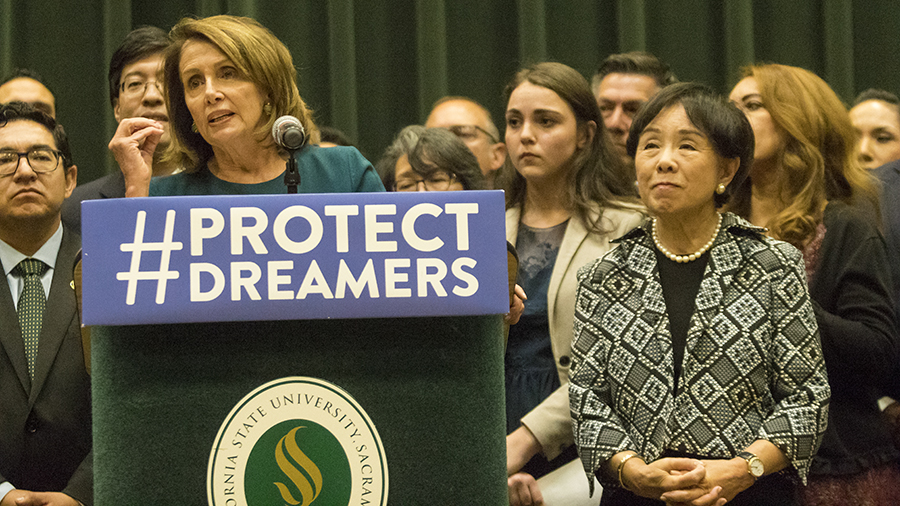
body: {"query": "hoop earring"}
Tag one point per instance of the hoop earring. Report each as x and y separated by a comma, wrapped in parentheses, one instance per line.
(194, 128)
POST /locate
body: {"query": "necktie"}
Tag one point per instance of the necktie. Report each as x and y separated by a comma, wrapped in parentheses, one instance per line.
(30, 308)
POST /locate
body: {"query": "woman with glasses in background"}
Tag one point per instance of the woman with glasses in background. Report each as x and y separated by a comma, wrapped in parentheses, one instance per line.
(429, 159)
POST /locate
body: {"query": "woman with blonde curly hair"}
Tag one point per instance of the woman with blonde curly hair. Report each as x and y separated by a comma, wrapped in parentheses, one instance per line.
(808, 188)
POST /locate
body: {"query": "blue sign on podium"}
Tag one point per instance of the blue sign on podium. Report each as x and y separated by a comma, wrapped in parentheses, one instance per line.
(293, 257)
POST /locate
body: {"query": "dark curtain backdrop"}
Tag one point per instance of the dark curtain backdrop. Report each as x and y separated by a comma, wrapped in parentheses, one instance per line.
(370, 67)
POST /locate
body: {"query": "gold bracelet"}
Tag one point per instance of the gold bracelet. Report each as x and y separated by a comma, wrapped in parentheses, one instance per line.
(622, 467)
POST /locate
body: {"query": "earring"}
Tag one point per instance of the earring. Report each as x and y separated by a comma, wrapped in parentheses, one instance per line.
(720, 189)
(267, 108)
(194, 128)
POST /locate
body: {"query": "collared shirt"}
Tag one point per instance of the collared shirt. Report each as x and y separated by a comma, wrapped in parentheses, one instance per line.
(10, 258)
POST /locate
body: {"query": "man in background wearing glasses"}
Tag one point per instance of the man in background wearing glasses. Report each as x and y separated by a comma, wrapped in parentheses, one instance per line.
(472, 123)
(45, 399)
(135, 91)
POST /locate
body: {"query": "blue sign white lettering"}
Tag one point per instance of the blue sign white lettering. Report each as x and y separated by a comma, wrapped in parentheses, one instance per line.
(287, 257)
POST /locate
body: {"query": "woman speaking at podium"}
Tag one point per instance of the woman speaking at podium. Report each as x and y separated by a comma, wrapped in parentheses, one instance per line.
(227, 80)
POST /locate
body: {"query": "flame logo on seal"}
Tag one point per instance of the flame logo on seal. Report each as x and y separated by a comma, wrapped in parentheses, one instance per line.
(307, 477)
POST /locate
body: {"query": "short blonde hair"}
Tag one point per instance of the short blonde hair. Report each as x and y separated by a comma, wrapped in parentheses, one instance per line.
(253, 50)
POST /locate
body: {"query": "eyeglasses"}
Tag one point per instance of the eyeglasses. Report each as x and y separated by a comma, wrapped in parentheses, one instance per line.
(437, 182)
(137, 87)
(41, 160)
(470, 132)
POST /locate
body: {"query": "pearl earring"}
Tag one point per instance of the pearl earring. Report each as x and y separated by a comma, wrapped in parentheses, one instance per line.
(720, 189)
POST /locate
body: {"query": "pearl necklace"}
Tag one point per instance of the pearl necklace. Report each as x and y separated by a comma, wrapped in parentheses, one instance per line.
(685, 258)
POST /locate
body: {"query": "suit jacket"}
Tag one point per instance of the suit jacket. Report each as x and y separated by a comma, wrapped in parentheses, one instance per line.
(890, 213)
(45, 426)
(550, 421)
(889, 175)
(106, 187)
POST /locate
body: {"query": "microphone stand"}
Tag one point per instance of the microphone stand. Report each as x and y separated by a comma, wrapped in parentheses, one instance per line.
(291, 173)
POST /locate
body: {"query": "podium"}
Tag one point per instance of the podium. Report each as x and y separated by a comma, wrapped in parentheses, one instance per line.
(431, 385)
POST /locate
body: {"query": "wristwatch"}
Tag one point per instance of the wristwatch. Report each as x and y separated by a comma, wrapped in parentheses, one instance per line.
(754, 465)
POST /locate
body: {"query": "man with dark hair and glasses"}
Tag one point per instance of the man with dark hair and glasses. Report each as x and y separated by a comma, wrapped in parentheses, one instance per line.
(45, 398)
(472, 123)
(136, 95)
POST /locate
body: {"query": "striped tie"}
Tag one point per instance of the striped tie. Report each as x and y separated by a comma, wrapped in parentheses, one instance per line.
(31, 305)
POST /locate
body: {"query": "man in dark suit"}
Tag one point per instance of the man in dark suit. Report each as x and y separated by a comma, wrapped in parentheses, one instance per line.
(45, 405)
(889, 175)
(135, 91)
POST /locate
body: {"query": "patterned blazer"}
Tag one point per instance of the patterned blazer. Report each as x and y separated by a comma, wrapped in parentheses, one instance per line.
(753, 365)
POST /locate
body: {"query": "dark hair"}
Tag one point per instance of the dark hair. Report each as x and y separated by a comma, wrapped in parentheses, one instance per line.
(726, 127)
(140, 43)
(635, 62)
(403, 144)
(439, 149)
(20, 111)
(876, 94)
(21, 73)
(331, 134)
(30, 74)
(598, 176)
(880, 95)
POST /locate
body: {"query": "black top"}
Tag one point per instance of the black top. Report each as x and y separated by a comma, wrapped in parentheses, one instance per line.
(111, 186)
(680, 284)
(852, 300)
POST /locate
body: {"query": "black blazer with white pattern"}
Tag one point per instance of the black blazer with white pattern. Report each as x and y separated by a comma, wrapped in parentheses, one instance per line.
(753, 365)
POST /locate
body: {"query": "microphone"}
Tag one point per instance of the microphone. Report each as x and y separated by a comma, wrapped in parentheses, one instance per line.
(289, 133)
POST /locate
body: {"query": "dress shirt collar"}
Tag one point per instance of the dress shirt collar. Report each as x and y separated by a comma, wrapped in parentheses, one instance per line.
(10, 257)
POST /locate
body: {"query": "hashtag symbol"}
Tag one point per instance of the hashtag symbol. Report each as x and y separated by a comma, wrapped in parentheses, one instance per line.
(137, 247)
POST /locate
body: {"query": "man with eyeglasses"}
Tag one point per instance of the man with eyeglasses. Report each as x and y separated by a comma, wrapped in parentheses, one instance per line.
(136, 95)
(472, 123)
(24, 85)
(45, 402)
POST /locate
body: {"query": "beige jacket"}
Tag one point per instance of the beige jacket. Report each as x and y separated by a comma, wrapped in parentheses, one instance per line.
(550, 421)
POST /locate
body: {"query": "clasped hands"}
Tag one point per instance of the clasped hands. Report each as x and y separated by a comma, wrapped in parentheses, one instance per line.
(684, 481)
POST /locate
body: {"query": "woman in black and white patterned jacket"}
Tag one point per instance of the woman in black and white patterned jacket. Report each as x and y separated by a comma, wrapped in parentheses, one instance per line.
(698, 373)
